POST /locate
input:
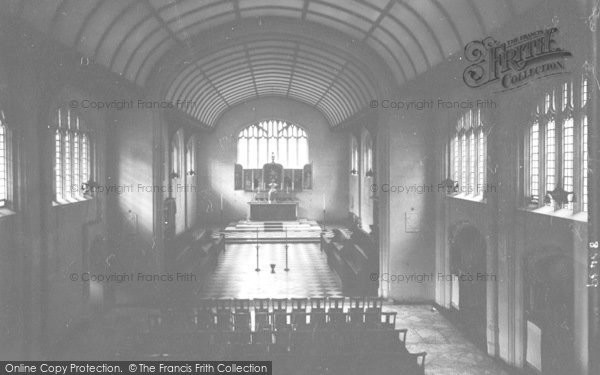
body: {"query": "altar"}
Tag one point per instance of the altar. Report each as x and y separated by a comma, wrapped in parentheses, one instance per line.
(265, 211)
(276, 203)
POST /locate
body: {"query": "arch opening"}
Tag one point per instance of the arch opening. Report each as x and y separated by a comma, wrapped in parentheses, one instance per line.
(469, 280)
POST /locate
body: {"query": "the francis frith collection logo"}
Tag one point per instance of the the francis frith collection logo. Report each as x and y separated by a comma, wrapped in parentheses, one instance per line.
(514, 63)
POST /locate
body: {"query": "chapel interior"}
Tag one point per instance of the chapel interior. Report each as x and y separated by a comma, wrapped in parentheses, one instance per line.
(323, 184)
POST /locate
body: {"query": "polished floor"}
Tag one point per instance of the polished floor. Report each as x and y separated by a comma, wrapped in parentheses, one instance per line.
(308, 275)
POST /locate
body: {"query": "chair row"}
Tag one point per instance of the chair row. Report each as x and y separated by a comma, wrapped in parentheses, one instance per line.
(371, 347)
(302, 341)
(294, 304)
(247, 321)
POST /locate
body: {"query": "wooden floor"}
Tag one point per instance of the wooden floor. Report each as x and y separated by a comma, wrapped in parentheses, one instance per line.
(309, 274)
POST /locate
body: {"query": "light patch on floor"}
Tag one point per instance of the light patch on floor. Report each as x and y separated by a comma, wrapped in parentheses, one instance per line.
(448, 350)
(309, 274)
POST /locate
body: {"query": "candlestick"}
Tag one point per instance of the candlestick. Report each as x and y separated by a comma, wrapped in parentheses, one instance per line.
(323, 202)
(257, 269)
(221, 201)
(287, 268)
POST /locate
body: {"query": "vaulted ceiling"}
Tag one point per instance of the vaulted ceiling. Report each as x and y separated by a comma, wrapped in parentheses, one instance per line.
(330, 80)
(132, 37)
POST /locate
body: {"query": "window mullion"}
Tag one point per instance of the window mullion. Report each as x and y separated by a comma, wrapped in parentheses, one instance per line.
(4, 165)
(448, 161)
(77, 162)
(478, 149)
(70, 166)
(559, 147)
(578, 147)
(460, 157)
(527, 162)
(267, 146)
(63, 164)
(247, 159)
(542, 191)
(586, 149)
(57, 163)
(577, 160)
(582, 107)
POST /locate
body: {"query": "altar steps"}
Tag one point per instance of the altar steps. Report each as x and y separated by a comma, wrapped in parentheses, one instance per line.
(273, 231)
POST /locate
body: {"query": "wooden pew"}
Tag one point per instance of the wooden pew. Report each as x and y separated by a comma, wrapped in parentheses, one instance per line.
(195, 252)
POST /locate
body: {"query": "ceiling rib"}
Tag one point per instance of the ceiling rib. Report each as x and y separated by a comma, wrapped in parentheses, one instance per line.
(165, 27)
(133, 28)
(251, 69)
(86, 20)
(477, 15)
(333, 81)
(261, 65)
(427, 27)
(295, 61)
(304, 10)
(384, 45)
(447, 16)
(135, 37)
(60, 9)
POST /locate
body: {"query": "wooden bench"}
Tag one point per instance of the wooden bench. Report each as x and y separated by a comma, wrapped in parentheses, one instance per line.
(195, 252)
(350, 260)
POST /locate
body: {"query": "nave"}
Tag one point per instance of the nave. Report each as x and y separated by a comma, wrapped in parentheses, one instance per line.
(246, 312)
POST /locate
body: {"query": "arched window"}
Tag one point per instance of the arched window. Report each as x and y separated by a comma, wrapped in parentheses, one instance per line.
(190, 157)
(178, 180)
(468, 154)
(534, 159)
(72, 161)
(556, 150)
(568, 140)
(190, 181)
(354, 156)
(4, 160)
(286, 142)
(550, 151)
(585, 94)
(368, 156)
(176, 156)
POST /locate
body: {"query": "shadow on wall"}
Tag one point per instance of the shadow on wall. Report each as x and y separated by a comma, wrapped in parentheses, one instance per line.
(550, 310)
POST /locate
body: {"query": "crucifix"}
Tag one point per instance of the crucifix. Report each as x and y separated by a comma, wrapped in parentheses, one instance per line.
(272, 185)
(272, 189)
